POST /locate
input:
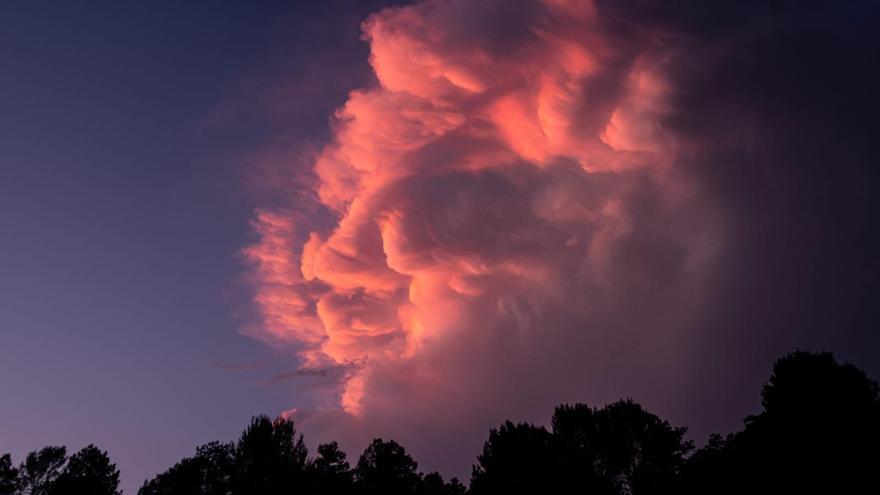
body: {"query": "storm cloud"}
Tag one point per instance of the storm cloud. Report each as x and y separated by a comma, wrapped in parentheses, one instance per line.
(548, 201)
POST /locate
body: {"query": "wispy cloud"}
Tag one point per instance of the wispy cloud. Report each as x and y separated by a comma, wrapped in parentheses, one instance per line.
(308, 372)
(239, 366)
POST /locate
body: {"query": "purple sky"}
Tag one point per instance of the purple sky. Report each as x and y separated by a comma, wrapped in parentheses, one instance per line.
(124, 140)
(137, 140)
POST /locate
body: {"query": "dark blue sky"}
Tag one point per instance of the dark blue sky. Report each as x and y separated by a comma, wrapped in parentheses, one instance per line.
(124, 131)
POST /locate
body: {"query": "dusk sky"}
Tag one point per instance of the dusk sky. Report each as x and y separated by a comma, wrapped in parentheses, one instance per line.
(416, 220)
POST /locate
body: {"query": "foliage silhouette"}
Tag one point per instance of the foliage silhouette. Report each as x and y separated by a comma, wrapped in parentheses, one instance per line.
(817, 432)
(516, 457)
(50, 472)
(8, 476)
(331, 471)
(385, 468)
(209, 472)
(88, 471)
(40, 469)
(432, 484)
(269, 458)
(620, 448)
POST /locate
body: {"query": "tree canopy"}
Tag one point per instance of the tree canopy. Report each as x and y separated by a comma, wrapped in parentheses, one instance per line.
(817, 432)
(49, 471)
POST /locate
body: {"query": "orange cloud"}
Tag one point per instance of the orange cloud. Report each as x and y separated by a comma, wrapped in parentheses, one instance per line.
(484, 184)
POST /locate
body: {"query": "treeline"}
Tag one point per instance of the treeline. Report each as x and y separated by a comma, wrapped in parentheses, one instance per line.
(818, 432)
(51, 472)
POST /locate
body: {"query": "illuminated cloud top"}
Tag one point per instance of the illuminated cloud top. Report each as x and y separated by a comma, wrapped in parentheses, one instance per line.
(479, 189)
(537, 201)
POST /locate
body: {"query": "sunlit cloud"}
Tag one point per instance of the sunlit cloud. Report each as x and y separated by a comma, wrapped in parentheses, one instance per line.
(486, 186)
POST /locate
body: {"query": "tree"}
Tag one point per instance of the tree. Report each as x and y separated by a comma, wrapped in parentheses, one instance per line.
(454, 487)
(817, 433)
(574, 443)
(8, 476)
(631, 450)
(185, 477)
(618, 449)
(385, 468)
(708, 466)
(209, 472)
(216, 464)
(269, 458)
(516, 458)
(40, 470)
(432, 484)
(331, 471)
(88, 471)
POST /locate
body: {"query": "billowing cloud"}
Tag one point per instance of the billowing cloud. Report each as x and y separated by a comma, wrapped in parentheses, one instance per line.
(522, 215)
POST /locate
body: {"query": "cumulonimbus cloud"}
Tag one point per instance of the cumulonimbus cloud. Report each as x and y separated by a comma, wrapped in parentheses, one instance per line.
(553, 200)
(488, 181)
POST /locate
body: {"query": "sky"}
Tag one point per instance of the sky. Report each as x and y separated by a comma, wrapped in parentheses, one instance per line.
(418, 220)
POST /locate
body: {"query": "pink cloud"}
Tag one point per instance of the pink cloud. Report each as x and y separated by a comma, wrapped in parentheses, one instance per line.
(505, 202)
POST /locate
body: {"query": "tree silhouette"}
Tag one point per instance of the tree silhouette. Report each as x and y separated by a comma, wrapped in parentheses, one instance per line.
(269, 458)
(216, 464)
(386, 469)
(618, 449)
(454, 487)
(209, 472)
(707, 466)
(573, 435)
(184, 477)
(88, 471)
(432, 484)
(331, 473)
(818, 432)
(8, 476)
(516, 457)
(40, 470)
(631, 450)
